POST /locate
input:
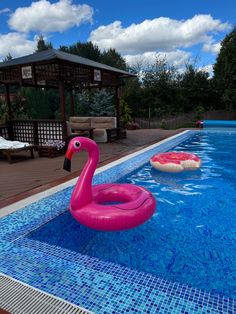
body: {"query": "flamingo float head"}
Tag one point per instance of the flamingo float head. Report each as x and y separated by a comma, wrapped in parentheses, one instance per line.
(75, 146)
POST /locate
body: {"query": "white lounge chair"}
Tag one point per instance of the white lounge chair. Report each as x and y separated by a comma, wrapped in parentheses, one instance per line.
(11, 147)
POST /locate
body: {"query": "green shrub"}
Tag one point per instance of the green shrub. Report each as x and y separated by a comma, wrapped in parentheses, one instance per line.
(125, 112)
(164, 124)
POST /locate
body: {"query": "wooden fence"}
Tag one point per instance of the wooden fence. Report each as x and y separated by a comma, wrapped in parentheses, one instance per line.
(184, 119)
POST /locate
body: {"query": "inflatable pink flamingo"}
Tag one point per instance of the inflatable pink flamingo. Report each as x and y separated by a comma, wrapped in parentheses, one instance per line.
(92, 206)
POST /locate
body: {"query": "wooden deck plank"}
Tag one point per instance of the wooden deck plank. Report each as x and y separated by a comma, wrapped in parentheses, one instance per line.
(24, 178)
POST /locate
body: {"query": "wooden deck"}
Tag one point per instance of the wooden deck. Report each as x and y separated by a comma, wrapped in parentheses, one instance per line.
(27, 177)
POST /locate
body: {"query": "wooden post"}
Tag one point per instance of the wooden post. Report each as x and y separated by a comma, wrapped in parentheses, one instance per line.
(35, 132)
(8, 101)
(149, 117)
(117, 101)
(34, 75)
(62, 100)
(72, 103)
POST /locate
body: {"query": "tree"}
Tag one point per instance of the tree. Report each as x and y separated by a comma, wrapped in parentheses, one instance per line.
(97, 103)
(158, 83)
(195, 86)
(91, 51)
(19, 110)
(132, 95)
(86, 50)
(125, 112)
(8, 57)
(37, 104)
(225, 71)
(102, 103)
(42, 45)
(113, 58)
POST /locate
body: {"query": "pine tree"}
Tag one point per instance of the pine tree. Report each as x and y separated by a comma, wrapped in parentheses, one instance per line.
(8, 57)
(225, 71)
(42, 45)
(96, 103)
(102, 104)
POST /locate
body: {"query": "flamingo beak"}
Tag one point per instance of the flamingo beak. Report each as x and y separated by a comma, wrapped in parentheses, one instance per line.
(67, 164)
(67, 160)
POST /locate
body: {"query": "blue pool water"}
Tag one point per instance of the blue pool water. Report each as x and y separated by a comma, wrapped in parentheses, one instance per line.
(191, 237)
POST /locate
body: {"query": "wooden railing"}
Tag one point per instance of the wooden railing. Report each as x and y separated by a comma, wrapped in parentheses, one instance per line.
(5, 132)
(35, 132)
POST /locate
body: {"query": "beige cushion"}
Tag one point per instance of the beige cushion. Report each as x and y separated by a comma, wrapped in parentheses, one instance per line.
(103, 122)
(100, 135)
(80, 122)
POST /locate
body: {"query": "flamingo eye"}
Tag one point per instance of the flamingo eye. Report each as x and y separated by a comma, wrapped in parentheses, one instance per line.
(77, 144)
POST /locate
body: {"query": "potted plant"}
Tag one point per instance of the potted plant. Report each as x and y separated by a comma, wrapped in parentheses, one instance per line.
(132, 126)
(52, 148)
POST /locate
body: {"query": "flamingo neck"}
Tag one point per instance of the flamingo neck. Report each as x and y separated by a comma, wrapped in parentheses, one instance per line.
(82, 193)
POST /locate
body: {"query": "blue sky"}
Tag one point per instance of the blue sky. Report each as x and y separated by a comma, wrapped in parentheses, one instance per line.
(178, 31)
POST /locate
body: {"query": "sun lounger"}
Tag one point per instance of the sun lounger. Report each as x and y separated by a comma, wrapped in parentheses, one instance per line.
(8, 148)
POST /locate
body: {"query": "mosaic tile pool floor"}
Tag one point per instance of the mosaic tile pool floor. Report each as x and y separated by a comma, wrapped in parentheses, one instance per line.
(99, 286)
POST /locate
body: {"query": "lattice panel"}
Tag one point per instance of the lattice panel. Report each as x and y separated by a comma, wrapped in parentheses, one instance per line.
(85, 76)
(28, 81)
(23, 131)
(52, 84)
(76, 75)
(71, 72)
(50, 130)
(109, 79)
(47, 71)
(12, 75)
(2, 76)
(4, 132)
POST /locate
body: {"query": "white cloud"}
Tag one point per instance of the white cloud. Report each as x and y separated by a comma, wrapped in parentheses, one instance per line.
(177, 58)
(160, 34)
(16, 44)
(207, 68)
(6, 10)
(211, 47)
(43, 16)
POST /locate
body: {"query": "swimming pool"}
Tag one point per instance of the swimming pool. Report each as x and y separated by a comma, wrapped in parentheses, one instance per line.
(188, 241)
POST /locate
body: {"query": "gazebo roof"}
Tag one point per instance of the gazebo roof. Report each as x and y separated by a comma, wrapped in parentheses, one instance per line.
(50, 68)
(57, 69)
(53, 54)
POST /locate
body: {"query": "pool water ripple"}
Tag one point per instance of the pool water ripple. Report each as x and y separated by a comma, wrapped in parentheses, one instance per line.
(191, 237)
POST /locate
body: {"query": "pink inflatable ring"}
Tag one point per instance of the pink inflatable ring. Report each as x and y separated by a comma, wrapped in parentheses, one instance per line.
(105, 207)
(175, 161)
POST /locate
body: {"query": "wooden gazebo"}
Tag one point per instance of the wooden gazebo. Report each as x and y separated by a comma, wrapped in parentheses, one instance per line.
(56, 69)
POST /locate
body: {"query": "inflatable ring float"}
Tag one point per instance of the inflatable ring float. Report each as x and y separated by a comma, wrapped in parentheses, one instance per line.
(105, 207)
(175, 161)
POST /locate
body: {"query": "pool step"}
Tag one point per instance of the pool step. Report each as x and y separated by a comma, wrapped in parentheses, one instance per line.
(17, 297)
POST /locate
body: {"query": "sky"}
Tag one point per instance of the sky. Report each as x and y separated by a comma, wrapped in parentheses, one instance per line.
(179, 31)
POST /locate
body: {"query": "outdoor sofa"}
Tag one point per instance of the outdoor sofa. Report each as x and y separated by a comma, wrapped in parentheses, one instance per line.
(104, 129)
